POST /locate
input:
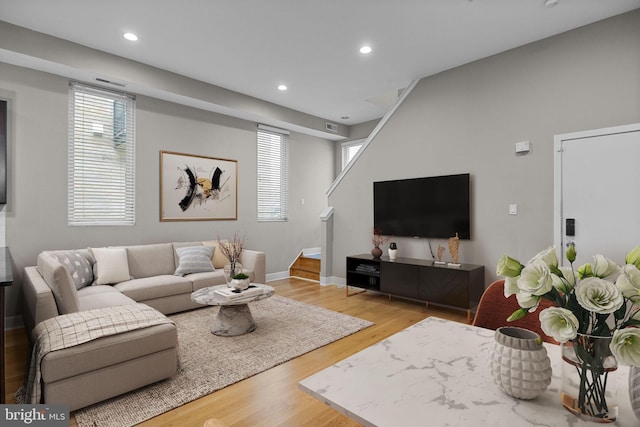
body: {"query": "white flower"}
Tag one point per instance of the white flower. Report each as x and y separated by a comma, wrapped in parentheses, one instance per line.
(629, 281)
(508, 266)
(603, 267)
(511, 286)
(565, 283)
(528, 301)
(633, 257)
(548, 256)
(559, 323)
(625, 346)
(598, 295)
(536, 279)
(569, 275)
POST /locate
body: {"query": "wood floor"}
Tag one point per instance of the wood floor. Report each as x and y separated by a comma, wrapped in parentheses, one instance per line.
(272, 398)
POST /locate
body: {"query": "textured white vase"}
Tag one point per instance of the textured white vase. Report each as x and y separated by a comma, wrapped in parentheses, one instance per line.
(519, 362)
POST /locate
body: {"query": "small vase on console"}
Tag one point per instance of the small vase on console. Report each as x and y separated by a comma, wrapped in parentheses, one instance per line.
(376, 252)
(393, 251)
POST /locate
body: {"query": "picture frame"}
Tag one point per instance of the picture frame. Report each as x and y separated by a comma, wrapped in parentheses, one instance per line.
(197, 188)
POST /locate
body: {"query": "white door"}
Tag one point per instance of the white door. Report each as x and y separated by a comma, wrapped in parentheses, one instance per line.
(597, 187)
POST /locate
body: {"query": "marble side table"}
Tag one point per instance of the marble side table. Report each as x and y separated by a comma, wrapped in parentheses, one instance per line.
(234, 316)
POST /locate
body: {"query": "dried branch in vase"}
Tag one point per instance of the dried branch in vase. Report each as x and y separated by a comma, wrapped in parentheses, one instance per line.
(231, 249)
(378, 239)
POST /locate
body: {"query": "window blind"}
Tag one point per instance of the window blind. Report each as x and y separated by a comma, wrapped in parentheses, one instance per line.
(101, 156)
(272, 176)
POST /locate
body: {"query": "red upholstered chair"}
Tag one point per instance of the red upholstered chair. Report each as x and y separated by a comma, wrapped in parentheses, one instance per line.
(494, 309)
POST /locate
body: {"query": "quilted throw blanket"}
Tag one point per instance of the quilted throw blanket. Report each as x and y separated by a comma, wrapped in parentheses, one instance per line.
(69, 330)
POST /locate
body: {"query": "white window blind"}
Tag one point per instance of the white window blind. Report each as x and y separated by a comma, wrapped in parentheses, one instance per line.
(101, 157)
(272, 175)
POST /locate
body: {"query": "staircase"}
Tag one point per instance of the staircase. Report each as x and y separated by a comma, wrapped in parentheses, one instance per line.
(306, 267)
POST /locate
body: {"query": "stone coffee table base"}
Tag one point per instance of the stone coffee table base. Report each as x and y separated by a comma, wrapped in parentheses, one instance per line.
(233, 320)
(233, 317)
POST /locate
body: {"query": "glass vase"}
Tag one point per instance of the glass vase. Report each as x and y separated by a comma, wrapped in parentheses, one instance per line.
(587, 387)
(230, 270)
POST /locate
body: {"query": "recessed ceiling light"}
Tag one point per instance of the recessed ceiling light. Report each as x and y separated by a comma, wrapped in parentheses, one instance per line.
(130, 36)
(282, 87)
(365, 49)
(345, 117)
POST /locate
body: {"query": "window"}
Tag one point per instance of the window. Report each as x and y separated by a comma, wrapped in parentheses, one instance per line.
(101, 157)
(349, 150)
(272, 174)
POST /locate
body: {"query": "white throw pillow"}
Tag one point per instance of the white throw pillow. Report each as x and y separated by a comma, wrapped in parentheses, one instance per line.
(194, 259)
(112, 265)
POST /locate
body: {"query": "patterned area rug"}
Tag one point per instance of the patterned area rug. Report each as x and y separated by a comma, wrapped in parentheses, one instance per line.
(285, 329)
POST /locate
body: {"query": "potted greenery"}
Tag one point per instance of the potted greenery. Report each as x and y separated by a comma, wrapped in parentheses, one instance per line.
(240, 281)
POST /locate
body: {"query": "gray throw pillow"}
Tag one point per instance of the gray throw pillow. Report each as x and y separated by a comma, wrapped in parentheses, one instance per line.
(194, 259)
(79, 267)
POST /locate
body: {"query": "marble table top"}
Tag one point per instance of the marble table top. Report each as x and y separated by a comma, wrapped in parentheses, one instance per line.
(208, 295)
(436, 373)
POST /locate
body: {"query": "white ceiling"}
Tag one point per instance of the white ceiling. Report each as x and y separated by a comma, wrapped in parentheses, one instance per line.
(252, 46)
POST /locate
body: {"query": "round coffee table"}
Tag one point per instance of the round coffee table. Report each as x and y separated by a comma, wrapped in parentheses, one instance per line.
(234, 316)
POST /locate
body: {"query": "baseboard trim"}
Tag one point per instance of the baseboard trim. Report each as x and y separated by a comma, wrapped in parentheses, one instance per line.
(333, 280)
(277, 276)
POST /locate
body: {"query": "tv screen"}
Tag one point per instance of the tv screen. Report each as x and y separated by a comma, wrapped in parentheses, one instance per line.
(436, 207)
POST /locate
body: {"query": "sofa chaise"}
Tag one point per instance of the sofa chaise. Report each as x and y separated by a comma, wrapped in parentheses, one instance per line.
(162, 276)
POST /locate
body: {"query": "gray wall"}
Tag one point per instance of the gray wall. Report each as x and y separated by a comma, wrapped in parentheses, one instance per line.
(36, 210)
(468, 119)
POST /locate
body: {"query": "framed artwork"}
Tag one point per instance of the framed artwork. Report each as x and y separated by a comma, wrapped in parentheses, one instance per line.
(197, 188)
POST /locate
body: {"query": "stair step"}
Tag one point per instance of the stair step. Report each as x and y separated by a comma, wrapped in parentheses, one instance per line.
(304, 274)
(311, 264)
(306, 268)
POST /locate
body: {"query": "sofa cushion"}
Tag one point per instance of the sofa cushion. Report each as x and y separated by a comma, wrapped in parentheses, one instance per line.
(150, 260)
(107, 351)
(101, 296)
(155, 287)
(194, 259)
(78, 265)
(219, 260)
(111, 265)
(59, 280)
(204, 280)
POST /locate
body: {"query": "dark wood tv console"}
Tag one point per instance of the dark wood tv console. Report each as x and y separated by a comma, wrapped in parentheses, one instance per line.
(416, 279)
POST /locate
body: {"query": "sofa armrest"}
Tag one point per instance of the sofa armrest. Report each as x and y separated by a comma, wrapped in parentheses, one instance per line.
(255, 261)
(39, 302)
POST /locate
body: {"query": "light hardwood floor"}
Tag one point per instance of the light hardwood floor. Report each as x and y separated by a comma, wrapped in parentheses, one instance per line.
(272, 398)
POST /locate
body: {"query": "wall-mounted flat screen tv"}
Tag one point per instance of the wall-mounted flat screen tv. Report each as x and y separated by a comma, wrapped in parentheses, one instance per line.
(430, 207)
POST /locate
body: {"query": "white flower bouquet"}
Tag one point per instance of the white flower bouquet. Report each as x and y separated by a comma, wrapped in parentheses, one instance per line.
(598, 299)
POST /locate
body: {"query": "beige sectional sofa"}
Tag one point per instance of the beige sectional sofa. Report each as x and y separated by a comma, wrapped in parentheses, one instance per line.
(62, 283)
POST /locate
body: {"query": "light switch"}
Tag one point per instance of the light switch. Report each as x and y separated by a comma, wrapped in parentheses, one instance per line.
(513, 209)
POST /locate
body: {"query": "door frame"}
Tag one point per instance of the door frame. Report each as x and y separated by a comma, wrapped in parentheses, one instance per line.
(558, 226)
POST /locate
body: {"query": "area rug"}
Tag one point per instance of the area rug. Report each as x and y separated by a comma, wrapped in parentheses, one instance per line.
(285, 329)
